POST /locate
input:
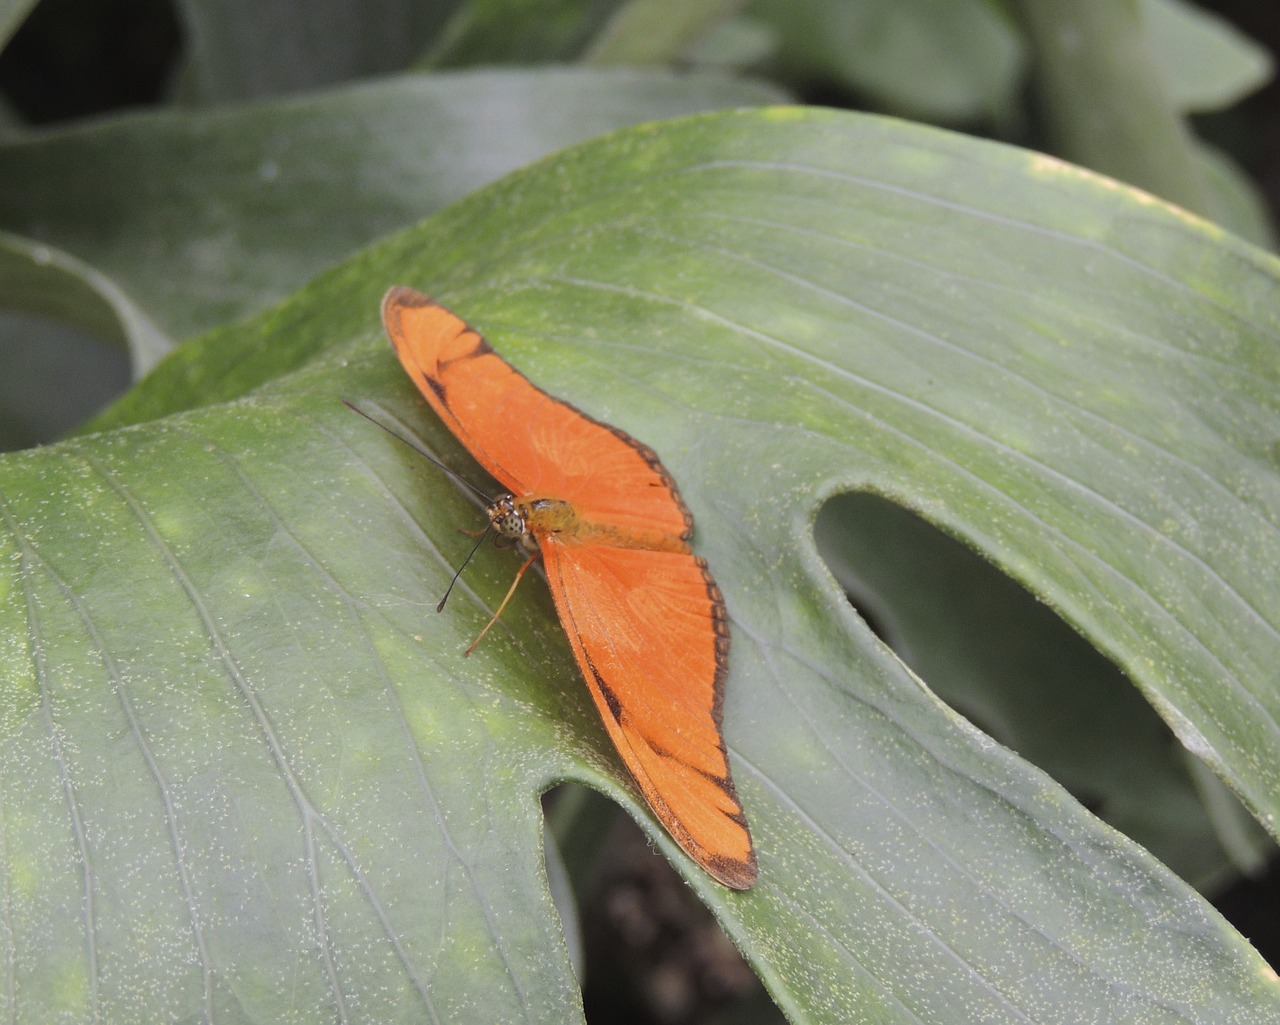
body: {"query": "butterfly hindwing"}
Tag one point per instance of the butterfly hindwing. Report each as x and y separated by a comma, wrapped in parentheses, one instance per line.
(647, 629)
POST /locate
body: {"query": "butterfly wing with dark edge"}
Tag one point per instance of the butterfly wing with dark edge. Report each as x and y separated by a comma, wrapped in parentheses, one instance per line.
(649, 632)
(531, 443)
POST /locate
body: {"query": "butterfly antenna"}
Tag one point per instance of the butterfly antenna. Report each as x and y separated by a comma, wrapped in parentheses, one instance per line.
(475, 548)
(422, 452)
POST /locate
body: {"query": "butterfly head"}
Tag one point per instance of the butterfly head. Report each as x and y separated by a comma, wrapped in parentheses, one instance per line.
(507, 518)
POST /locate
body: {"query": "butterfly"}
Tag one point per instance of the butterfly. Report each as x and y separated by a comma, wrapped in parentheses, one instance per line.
(643, 614)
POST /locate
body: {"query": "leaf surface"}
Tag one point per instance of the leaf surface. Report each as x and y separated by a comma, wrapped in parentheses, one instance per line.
(246, 774)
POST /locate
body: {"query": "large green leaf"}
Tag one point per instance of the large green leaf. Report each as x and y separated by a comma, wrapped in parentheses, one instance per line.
(941, 60)
(204, 217)
(246, 774)
(247, 49)
(1207, 63)
(656, 31)
(1015, 669)
(1105, 98)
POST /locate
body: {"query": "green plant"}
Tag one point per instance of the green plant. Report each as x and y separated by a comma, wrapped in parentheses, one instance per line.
(245, 773)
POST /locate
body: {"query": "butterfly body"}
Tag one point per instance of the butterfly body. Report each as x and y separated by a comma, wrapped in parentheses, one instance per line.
(529, 522)
(643, 615)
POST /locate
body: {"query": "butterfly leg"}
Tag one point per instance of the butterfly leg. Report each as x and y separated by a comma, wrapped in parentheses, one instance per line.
(510, 591)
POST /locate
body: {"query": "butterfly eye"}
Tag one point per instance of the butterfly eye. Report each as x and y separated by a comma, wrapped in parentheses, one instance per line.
(506, 517)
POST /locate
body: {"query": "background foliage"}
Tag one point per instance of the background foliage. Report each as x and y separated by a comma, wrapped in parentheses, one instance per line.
(233, 741)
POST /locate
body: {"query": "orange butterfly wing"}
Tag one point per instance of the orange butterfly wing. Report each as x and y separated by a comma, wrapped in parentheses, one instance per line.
(647, 627)
(649, 632)
(530, 442)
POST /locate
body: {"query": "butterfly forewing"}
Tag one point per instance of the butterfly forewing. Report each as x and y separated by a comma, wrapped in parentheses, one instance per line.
(530, 442)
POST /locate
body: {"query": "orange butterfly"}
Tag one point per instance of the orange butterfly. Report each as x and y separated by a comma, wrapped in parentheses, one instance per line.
(644, 617)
